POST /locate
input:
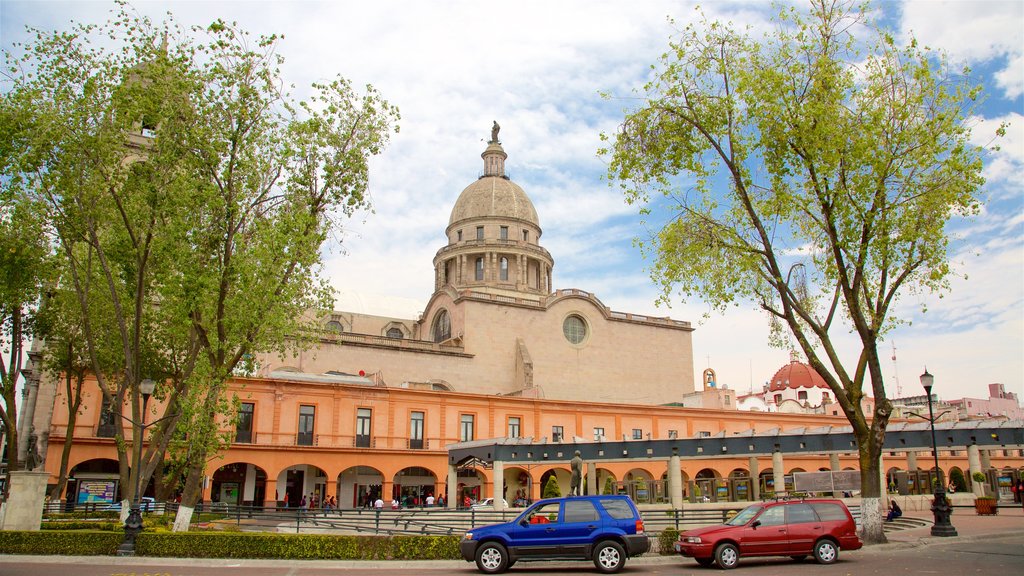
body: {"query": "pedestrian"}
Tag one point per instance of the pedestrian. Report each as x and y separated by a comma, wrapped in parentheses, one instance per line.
(378, 503)
(302, 503)
(894, 511)
(430, 500)
(440, 501)
(1015, 487)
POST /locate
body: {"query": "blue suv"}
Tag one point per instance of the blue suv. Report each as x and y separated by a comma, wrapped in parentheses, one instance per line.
(606, 529)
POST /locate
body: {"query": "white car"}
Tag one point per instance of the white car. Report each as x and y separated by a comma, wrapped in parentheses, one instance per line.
(486, 504)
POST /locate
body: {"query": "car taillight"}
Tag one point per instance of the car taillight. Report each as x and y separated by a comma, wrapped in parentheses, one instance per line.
(639, 526)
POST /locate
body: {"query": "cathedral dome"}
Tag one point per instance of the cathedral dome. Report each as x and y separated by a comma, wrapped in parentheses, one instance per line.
(795, 375)
(493, 195)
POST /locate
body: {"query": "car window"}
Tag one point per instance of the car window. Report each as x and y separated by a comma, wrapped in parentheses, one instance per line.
(828, 511)
(744, 516)
(774, 516)
(616, 508)
(545, 514)
(580, 511)
(800, 513)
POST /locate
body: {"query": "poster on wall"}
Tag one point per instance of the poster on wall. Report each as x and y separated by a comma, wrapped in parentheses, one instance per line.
(96, 491)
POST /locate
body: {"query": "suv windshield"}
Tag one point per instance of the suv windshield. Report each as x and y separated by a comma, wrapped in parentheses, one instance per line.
(744, 516)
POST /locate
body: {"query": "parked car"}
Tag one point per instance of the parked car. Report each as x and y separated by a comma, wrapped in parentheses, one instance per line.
(486, 504)
(796, 528)
(604, 529)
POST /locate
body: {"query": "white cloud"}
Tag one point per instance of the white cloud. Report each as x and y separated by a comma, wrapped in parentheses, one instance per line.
(536, 67)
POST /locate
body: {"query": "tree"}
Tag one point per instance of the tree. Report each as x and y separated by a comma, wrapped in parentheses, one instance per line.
(609, 486)
(189, 182)
(25, 268)
(821, 175)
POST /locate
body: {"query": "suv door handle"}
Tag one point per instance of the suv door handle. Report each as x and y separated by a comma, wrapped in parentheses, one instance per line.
(591, 527)
(549, 529)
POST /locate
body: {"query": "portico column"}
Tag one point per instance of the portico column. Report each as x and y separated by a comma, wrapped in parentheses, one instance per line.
(986, 459)
(778, 473)
(498, 493)
(974, 463)
(911, 461)
(269, 493)
(452, 499)
(755, 479)
(675, 481)
(833, 462)
(592, 487)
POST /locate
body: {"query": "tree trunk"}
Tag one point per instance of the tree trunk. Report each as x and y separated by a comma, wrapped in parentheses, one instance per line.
(69, 437)
(193, 492)
(872, 506)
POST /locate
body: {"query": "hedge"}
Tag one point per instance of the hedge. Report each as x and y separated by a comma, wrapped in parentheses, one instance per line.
(235, 545)
(666, 541)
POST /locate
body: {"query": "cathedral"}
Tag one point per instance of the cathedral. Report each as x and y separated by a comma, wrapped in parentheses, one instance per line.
(494, 325)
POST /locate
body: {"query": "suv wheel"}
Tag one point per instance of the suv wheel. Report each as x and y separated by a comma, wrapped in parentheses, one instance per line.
(727, 556)
(609, 557)
(492, 558)
(826, 551)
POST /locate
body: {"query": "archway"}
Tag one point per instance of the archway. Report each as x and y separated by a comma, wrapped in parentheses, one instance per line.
(359, 486)
(301, 485)
(517, 482)
(740, 485)
(639, 484)
(412, 485)
(704, 485)
(93, 483)
(562, 478)
(239, 484)
(469, 489)
(606, 481)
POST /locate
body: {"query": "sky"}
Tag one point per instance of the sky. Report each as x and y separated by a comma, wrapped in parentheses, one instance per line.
(538, 68)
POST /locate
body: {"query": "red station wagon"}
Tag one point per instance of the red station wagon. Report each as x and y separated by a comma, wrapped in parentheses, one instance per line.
(796, 528)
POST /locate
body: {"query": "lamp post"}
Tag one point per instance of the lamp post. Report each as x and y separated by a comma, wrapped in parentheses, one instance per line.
(133, 523)
(940, 506)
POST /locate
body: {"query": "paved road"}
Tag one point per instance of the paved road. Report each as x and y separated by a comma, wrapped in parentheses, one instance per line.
(996, 556)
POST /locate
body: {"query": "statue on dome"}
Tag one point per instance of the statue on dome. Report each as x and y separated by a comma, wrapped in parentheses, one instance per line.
(494, 132)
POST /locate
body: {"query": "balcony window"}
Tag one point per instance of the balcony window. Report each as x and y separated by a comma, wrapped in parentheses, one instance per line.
(363, 427)
(243, 429)
(598, 434)
(557, 434)
(513, 426)
(307, 420)
(416, 430)
(466, 427)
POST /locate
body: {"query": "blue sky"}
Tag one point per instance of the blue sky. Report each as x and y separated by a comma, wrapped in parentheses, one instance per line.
(537, 68)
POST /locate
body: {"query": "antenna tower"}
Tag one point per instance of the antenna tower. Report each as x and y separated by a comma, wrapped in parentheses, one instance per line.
(896, 372)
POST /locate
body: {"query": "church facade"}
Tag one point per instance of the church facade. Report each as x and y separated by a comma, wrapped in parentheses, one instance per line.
(495, 326)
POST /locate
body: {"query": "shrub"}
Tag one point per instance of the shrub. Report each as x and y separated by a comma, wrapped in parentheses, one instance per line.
(609, 486)
(666, 539)
(956, 478)
(978, 477)
(234, 545)
(551, 489)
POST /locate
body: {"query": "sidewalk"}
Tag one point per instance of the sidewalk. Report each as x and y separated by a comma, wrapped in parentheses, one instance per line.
(968, 524)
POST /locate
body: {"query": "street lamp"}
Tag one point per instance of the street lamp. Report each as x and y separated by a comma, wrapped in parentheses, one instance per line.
(940, 507)
(133, 523)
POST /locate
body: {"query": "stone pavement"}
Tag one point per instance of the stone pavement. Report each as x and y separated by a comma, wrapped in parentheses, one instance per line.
(968, 524)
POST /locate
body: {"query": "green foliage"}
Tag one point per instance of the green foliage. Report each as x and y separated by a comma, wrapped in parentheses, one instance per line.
(65, 543)
(609, 486)
(551, 488)
(978, 477)
(809, 174)
(235, 545)
(666, 539)
(190, 196)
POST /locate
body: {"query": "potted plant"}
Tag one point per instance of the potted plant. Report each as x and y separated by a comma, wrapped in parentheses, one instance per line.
(984, 505)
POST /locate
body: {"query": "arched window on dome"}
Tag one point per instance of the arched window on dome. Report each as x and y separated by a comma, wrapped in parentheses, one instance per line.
(395, 333)
(442, 327)
(504, 268)
(479, 269)
(802, 395)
